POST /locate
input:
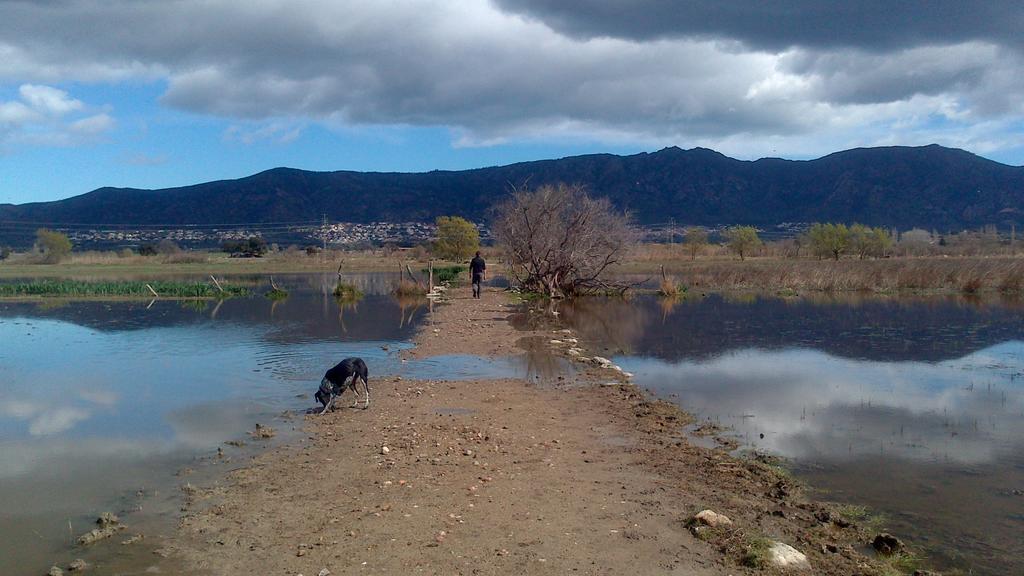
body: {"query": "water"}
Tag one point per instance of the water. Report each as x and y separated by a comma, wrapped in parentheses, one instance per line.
(115, 405)
(913, 408)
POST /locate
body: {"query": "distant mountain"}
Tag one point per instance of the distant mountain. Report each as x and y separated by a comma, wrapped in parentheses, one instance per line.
(929, 186)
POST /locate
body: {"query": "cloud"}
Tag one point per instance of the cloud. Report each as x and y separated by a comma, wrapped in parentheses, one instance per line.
(44, 115)
(280, 132)
(49, 101)
(44, 420)
(757, 77)
(874, 25)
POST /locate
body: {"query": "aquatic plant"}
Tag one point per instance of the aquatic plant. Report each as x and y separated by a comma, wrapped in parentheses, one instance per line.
(118, 289)
(347, 292)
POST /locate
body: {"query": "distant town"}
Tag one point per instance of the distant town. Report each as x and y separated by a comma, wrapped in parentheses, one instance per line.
(344, 234)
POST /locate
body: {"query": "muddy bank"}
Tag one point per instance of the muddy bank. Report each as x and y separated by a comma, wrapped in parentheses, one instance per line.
(506, 477)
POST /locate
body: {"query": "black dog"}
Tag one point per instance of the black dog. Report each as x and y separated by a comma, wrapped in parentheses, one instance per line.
(334, 382)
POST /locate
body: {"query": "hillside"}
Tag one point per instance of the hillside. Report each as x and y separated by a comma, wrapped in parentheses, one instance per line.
(930, 186)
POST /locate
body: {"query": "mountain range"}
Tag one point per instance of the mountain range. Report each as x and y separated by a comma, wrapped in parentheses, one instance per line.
(929, 186)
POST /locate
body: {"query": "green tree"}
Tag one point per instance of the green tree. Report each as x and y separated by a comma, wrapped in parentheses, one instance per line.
(829, 240)
(866, 241)
(54, 245)
(742, 239)
(695, 239)
(457, 238)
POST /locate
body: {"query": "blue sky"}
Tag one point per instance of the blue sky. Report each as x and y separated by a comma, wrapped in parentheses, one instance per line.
(153, 94)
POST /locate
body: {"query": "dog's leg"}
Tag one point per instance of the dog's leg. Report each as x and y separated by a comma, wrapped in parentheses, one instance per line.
(366, 388)
(328, 405)
(355, 392)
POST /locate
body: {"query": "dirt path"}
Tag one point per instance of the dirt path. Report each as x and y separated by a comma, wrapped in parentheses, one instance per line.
(501, 477)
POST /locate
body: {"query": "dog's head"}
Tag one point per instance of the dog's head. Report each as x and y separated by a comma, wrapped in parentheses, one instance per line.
(321, 397)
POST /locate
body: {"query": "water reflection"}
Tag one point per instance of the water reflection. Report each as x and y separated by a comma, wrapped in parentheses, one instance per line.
(913, 407)
(103, 399)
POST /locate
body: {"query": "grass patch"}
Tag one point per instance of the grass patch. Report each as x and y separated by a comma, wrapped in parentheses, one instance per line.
(347, 292)
(756, 555)
(276, 294)
(862, 515)
(446, 274)
(117, 289)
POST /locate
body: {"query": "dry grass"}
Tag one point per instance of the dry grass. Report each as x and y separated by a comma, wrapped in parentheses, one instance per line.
(969, 275)
(407, 288)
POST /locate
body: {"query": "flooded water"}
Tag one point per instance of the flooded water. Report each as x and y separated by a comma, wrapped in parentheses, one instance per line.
(113, 406)
(913, 408)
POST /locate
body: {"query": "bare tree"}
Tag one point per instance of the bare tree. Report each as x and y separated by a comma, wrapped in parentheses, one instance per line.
(560, 241)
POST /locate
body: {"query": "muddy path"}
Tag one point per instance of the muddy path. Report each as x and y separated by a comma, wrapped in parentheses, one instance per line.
(507, 477)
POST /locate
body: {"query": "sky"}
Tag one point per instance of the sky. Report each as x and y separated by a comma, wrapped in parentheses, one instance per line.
(161, 93)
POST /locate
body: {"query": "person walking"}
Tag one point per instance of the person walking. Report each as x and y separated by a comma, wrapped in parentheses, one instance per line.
(478, 268)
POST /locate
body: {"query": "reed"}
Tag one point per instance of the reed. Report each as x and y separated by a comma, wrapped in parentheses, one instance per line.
(409, 288)
(970, 275)
(117, 289)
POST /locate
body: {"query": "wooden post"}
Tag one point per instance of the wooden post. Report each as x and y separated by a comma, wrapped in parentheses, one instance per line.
(215, 283)
(414, 278)
(153, 291)
(430, 269)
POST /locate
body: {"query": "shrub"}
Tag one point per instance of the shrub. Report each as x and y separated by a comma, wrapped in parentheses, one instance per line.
(54, 245)
(449, 274)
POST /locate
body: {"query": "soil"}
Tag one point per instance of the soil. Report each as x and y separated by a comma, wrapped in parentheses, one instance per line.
(505, 477)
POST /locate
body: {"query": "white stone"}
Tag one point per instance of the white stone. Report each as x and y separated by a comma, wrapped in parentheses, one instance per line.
(556, 342)
(711, 518)
(786, 557)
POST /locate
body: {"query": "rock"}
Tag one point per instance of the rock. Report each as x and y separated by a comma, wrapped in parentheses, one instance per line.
(263, 432)
(324, 572)
(886, 544)
(78, 565)
(926, 573)
(784, 556)
(55, 571)
(557, 342)
(107, 519)
(385, 450)
(712, 519)
(108, 524)
(601, 361)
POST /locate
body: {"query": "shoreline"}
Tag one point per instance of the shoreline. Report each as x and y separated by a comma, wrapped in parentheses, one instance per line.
(507, 477)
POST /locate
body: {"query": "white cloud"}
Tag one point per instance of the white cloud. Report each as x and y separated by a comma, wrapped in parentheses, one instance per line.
(48, 116)
(49, 101)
